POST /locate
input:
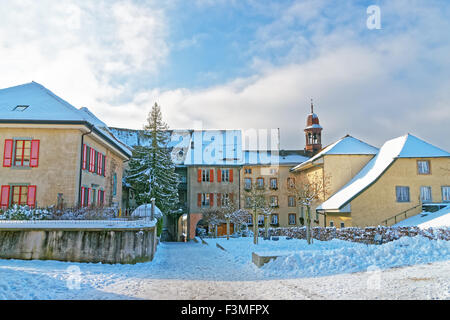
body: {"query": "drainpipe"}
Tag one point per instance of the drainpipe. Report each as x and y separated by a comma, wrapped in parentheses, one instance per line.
(81, 163)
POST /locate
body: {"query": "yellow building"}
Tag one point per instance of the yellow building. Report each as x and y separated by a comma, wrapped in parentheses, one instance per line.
(270, 170)
(330, 170)
(55, 154)
(406, 173)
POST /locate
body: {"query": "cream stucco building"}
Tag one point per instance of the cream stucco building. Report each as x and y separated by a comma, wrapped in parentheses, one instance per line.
(55, 154)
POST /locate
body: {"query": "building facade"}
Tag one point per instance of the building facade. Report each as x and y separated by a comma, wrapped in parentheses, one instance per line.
(54, 154)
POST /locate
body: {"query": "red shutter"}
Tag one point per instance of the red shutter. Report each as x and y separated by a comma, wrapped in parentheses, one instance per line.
(82, 196)
(219, 198)
(84, 156)
(89, 197)
(199, 175)
(4, 197)
(100, 164)
(7, 153)
(34, 157)
(31, 198)
(211, 199)
(104, 166)
(231, 175)
(92, 160)
(199, 200)
(219, 175)
(211, 175)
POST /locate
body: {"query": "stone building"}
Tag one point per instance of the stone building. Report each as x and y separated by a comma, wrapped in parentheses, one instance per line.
(56, 154)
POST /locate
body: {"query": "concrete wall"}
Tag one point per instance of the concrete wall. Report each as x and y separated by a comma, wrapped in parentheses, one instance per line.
(81, 245)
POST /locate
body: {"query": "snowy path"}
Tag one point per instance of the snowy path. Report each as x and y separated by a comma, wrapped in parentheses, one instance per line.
(196, 271)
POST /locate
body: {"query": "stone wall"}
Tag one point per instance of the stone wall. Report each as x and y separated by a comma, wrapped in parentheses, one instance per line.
(114, 245)
(364, 235)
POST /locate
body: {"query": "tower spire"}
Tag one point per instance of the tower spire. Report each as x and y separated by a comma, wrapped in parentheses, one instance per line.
(312, 106)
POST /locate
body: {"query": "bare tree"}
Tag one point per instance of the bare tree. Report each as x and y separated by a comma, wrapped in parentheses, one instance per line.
(232, 214)
(257, 205)
(309, 191)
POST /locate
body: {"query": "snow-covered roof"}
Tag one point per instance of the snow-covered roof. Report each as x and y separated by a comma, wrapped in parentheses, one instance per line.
(345, 145)
(282, 157)
(424, 220)
(313, 126)
(179, 140)
(41, 105)
(407, 146)
(215, 147)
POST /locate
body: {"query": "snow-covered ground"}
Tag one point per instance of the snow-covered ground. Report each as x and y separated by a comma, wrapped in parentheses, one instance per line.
(198, 271)
(424, 220)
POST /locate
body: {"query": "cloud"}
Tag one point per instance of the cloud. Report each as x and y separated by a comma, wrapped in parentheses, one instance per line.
(375, 86)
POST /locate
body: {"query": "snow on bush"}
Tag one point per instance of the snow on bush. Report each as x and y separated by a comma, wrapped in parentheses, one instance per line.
(364, 235)
(402, 252)
(25, 213)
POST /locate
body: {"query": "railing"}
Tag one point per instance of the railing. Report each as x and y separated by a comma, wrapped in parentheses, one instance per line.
(401, 214)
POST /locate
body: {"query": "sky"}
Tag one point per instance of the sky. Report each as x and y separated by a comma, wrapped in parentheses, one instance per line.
(250, 64)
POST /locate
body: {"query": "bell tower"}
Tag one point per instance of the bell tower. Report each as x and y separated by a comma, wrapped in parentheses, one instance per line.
(313, 132)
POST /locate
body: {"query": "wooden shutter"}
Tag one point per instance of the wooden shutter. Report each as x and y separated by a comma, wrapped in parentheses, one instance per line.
(4, 197)
(211, 175)
(88, 196)
(100, 164)
(7, 153)
(219, 175)
(84, 156)
(82, 196)
(96, 161)
(104, 165)
(231, 175)
(88, 158)
(219, 199)
(211, 199)
(31, 196)
(199, 175)
(92, 161)
(199, 200)
(34, 155)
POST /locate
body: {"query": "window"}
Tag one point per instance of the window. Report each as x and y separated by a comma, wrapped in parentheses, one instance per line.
(273, 183)
(260, 183)
(205, 175)
(20, 108)
(225, 175)
(274, 218)
(261, 220)
(425, 194)
(248, 183)
(248, 202)
(274, 201)
(402, 193)
(342, 225)
(248, 170)
(423, 166)
(19, 195)
(94, 197)
(225, 198)
(291, 201)
(292, 218)
(331, 224)
(114, 191)
(206, 200)
(446, 194)
(22, 195)
(291, 183)
(22, 153)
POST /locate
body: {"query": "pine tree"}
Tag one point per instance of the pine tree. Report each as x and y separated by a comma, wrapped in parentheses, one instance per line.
(152, 172)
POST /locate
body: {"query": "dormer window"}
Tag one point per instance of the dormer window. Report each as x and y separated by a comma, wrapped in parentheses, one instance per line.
(20, 108)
